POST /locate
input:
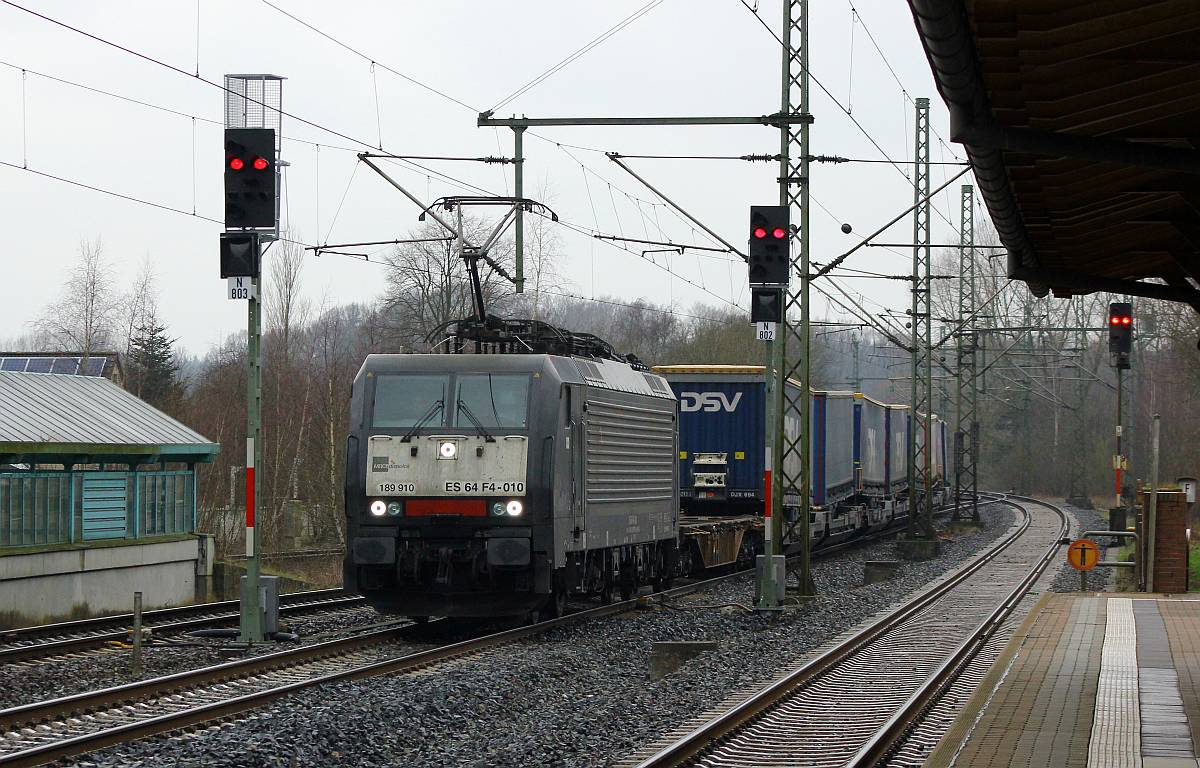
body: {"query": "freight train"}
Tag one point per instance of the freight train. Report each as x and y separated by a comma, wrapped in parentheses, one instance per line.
(500, 484)
(858, 451)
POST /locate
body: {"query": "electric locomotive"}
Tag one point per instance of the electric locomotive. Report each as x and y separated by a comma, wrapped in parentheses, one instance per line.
(497, 484)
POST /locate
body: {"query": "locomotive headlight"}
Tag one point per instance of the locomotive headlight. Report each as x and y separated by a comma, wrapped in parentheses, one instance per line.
(515, 508)
(379, 508)
(447, 449)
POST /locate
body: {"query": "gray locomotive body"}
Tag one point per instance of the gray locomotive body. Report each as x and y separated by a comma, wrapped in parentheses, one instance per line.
(498, 484)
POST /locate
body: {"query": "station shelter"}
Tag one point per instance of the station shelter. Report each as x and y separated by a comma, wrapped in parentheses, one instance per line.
(96, 487)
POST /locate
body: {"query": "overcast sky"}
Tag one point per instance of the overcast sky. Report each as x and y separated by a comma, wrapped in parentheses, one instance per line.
(682, 57)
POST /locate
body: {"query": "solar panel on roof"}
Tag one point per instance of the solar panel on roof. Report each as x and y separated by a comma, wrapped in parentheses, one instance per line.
(95, 366)
(65, 365)
(40, 365)
(13, 363)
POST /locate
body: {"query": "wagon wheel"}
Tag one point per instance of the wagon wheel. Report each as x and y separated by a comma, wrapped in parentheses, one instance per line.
(557, 604)
(608, 590)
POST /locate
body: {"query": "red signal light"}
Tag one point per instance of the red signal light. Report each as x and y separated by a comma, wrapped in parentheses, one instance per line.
(1126, 320)
(237, 164)
(779, 233)
(1115, 320)
(760, 233)
(260, 164)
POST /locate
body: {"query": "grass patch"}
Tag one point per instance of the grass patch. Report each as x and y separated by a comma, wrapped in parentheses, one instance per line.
(1193, 567)
(1126, 580)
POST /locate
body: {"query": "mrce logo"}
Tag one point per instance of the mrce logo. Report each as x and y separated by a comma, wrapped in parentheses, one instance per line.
(710, 402)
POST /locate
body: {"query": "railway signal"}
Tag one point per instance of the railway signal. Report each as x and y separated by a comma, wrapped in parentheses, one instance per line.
(250, 178)
(770, 262)
(766, 305)
(1120, 333)
(1120, 346)
(252, 121)
(770, 252)
(240, 256)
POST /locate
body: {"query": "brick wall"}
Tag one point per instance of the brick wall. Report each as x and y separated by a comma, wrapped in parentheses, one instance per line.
(1170, 541)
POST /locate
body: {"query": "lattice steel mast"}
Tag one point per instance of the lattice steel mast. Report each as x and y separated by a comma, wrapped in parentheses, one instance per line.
(791, 353)
(1079, 469)
(920, 499)
(966, 432)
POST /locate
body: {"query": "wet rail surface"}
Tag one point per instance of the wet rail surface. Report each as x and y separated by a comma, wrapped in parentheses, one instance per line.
(853, 703)
(40, 732)
(48, 641)
(35, 733)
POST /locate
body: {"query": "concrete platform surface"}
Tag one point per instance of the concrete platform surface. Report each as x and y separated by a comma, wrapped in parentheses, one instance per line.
(1088, 681)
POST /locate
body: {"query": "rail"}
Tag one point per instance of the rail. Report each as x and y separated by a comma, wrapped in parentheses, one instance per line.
(46, 640)
(41, 719)
(697, 741)
(889, 736)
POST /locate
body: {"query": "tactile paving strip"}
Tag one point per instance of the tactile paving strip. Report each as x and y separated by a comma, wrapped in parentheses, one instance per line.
(1116, 725)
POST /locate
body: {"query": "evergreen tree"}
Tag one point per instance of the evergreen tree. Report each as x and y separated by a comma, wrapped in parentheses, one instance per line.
(153, 373)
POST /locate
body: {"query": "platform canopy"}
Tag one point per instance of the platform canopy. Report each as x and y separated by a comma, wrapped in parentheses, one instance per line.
(62, 419)
(1082, 121)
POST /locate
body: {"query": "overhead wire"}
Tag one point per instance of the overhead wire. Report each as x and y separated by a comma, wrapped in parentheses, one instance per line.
(903, 90)
(293, 116)
(561, 145)
(839, 105)
(577, 54)
(358, 53)
(310, 246)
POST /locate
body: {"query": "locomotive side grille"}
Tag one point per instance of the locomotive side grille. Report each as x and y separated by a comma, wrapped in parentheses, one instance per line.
(590, 371)
(630, 452)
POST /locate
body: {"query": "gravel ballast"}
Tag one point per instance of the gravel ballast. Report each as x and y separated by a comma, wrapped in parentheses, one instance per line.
(26, 682)
(575, 696)
(1098, 579)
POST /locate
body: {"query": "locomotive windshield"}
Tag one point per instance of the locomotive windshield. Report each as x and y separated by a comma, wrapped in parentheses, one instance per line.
(500, 401)
(488, 400)
(406, 400)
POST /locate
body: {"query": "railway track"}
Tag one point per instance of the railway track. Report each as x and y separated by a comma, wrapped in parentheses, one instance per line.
(852, 704)
(48, 641)
(40, 732)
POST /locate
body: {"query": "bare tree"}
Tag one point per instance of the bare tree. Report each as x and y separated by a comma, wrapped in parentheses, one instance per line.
(543, 252)
(285, 308)
(140, 305)
(84, 318)
(427, 283)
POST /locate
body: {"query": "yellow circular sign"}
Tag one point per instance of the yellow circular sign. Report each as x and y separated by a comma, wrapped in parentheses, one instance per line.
(1083, 554)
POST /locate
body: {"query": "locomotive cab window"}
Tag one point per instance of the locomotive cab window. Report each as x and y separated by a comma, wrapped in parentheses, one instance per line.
(408, 400)
(492, 401)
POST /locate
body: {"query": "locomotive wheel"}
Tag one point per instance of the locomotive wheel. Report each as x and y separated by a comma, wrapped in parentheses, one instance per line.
(557, 605)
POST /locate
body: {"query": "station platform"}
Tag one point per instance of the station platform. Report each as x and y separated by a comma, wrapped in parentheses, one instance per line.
(1089, 680)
